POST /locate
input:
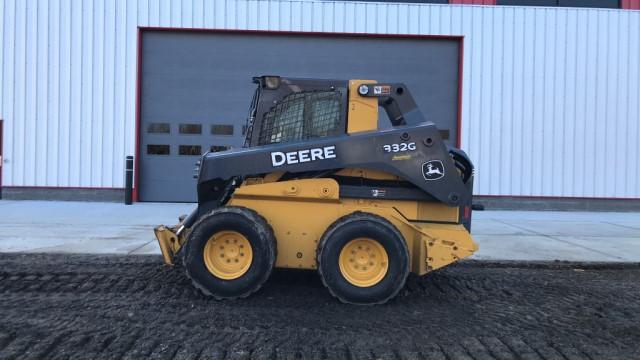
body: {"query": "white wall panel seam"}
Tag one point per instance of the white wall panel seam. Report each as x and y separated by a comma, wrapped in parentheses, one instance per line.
(624, 87)
(2, 45)
(23, 99)
(9, 63)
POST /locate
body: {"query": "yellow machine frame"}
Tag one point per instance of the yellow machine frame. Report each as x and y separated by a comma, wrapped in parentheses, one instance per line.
(300, 211)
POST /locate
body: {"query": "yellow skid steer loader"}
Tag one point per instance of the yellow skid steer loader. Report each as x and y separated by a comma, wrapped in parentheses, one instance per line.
(318, 186)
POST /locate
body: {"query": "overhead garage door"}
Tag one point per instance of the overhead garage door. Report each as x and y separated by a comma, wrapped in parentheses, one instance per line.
(196, 89)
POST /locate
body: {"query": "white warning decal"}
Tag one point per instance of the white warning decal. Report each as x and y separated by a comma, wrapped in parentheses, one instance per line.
(382, 90)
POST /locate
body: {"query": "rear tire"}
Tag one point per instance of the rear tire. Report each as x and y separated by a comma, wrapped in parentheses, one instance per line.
(363, 259)
(230, 252)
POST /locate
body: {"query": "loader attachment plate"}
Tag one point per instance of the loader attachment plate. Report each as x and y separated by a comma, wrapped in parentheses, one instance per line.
(169, 242)
(446, 244)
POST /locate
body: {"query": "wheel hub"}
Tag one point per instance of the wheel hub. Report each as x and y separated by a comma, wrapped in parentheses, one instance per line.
(363, 262)
(228, 255)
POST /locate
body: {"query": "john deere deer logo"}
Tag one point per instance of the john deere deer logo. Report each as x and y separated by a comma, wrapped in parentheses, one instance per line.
(433, 170)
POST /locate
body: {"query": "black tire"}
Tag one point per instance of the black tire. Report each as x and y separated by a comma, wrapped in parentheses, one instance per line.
(254, 228)
(357, 225)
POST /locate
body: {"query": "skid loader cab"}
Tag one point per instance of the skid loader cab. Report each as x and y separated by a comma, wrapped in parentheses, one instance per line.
(311, 108)
(318, 186)
(288, 110)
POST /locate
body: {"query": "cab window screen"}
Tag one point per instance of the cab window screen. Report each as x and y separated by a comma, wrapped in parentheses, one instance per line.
(301, 116)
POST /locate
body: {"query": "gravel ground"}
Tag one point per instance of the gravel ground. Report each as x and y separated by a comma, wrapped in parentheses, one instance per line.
(76, 306)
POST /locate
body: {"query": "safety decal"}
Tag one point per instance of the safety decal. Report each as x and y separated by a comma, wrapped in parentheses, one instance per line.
(382, 90)
(433, 170)
(378, 192)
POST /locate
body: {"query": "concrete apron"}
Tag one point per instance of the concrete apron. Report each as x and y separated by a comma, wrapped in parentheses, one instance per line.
(110, 228)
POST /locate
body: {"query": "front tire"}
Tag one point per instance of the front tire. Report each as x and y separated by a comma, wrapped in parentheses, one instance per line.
(230, 252)
(363, 259)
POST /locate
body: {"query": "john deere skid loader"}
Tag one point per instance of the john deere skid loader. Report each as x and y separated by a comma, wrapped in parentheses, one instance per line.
(318, 186)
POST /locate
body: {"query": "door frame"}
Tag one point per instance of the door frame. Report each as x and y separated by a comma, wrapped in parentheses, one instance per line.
(142, 29)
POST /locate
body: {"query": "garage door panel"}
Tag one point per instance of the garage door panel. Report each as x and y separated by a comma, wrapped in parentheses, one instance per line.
(205, 78)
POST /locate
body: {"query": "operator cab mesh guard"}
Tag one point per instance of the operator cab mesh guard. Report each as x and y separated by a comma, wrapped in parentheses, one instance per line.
(318, 186)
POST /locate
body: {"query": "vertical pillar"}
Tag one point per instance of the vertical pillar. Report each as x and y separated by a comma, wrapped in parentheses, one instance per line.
(128, 181)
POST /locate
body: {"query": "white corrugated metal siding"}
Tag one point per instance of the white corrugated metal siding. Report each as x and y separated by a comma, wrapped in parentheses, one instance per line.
(551, 96)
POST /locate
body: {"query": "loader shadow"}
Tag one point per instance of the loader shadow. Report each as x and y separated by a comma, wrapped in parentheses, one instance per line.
(303, 286)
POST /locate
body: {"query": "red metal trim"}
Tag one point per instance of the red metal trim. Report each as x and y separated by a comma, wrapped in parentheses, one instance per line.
(473, 2)
(299, 33)
(136, 159)
(141, 29)
(630, 4)
(62, 187)
(460, 73)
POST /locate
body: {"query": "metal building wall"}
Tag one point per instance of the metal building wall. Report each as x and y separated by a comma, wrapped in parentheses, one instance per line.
(551, 96)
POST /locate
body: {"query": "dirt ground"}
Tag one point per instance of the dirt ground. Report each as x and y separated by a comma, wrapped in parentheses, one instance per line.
(73, 306)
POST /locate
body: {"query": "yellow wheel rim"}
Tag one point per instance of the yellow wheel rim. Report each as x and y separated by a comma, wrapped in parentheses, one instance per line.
(228, 255)
(363, 262)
